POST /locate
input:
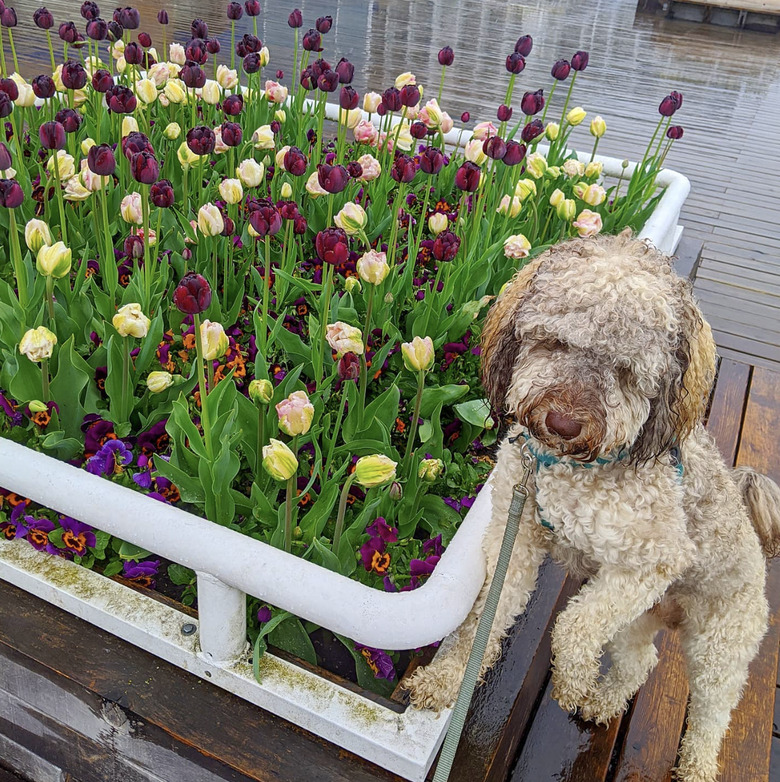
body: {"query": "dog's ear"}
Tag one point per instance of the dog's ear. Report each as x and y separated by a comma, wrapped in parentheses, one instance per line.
(500, 342)
(685, 387)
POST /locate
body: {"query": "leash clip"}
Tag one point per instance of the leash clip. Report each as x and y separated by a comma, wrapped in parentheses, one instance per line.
(528, 461)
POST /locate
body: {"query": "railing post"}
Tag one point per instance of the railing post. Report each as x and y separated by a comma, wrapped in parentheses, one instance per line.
(222, 619)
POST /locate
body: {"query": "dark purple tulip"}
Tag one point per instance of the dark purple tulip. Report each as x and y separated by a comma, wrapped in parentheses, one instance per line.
(308, 79)
(410, 95)
(232, 135)
(10, 88)
(135, 142)
(295, 19)
(332, 246)
(52, 135)
(323, 24)
(6, 105)
(312, 41)
(276, 127)
(102, 80)
(97, 29)
(288, 210)
(403, 168)
(561, 70)
(201, 140)
(579, 61)
(668, 105)
(5, 157)
(70, 119)
(129, 18)
(43, 86)
(115, 31)
(162, 16)
(532, 102)
(675, 132)
(392, 99)
(345, 70)
(354, 169)
(11, 194)
(145, 39)
(251, 43)
(192, 295)
(8, 17)
(348, 97)
(515, 63)
(43, 18)
(295, 163)
(233, 105)
(431, 160)
(192, 75)
(234, 11)
(68, 32)
(320, 66)
(467, 177)
(300, 226)
(74, 77)
(101, 160)
(504, 113)
(418, 130)
(196, 51)
(264, 217)
(199, 29)
(381, 109)
(228, 226)
(515, 152)
(252, 63)
(446, 246)
(349, 367)
(494, 147)
(332, 178)
(678, 97)
(144, 168)
(134, 53)
(465, 117)
(161, 194)
(524, 45)
(446, 56)
(532, 130)
(328, 81)
(134, 247)
(89, 10)
(213, 46)
(252, 7)
(121, 100)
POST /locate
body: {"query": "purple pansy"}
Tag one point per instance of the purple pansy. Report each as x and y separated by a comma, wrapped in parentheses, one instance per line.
(379, 661)
(77, 536)
(110, 459)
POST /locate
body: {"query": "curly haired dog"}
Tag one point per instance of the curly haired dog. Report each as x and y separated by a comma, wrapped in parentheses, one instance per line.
(599, 351)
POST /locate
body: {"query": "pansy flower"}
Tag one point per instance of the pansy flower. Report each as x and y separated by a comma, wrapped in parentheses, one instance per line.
(142, 573)
(378, 661)
(9, 528)
(8, 406)
(112, 457)
(77, 537)
(97, 431)
(375, 558)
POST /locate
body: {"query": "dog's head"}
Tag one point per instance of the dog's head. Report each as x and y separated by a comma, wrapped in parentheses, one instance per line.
(597, 346)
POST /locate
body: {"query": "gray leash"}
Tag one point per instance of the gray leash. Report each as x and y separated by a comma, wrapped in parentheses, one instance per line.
(469, 683)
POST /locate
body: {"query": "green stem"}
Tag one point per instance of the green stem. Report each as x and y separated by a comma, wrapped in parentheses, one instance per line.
(260, 440)
(415, 417)
(342, 510)
(327, 293)
(202, 388)
(109, 277)
(266, 296)
(50, 300)
(125, 379)
(288, 506)
(336, 429)
(19, 270)
(45, 379)
(549, 99)
(441, 83)
(13, 49)
(60, 202)
(397, 201)
(2, 53)
(147, 262)
(568, 96)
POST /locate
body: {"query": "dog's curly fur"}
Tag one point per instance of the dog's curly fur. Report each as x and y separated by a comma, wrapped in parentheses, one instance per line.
(602, 333)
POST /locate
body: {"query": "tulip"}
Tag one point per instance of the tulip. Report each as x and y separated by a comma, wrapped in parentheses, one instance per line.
(11, 194)
(376, 470)
(251, 173)
(403, 168)
(5, 157)
(332, 246)
(410, 95)
(515, 63)
(53, 260)
(199, 29)
(286, 191)
(573, 168)
(516, 247)
(351, 219)
(162, 16)
(131, 209)
(346, 71)
(158, 381)
(593, 169)
(43, 19)
(231, 190)
(38, 344)
(371, 101)
(37, 235)
(265, 218)
(233, 105)
(323, 24)
(579, 61)
(430, 470)
(446, 246)
(76, 190)
(576, 115)
(349, 367)
(252, 7)
(467, 177)
(418, 354)
(43, 87)
(174, 91)
(312, 41)
(263, 138)
(532, 102)
(598, 127)
(227, 78)
(279, 461)
(213, 340)
(552, 131)
(536, 165)
(344, 338)
(52, 135)
(210, 222)
(121, 100)
(370, 166)
(515, 153)
(261, 392)
(130, 321)
(192, 295)
(275, 92)
(391, 99)
(328, 81)
(561, 70)
(431, 160)
(172, 131)
(566, 209)
(161, 194)
(524, 45)
(532, 130)
(495, 147)
(144, 168)
(593, 195)
(675, 132)
(446, 56)
(296, 414)
(509, 206)
(332, 179)
(130, 128)
(201, 140)
(437, 223)
(230, 134)
(372, 267)
(133, 53)
(295, 19)
(65, 164)
(102, 81)
(295, 162)
(74, 77)
(504, 113)
(588, 223)
(129, 18)
(352, 284)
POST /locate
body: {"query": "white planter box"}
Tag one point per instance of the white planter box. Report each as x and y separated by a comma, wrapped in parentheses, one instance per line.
(230, 565)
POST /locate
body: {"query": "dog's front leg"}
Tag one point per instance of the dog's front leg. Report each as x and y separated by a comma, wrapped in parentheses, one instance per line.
(613, 599)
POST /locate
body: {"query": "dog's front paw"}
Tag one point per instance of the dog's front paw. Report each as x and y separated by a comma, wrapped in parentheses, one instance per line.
(435, 686)
(602, 706)
(575, 667)
(572, 690)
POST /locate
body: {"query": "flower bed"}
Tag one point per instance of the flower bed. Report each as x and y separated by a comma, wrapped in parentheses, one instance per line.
(230, 307)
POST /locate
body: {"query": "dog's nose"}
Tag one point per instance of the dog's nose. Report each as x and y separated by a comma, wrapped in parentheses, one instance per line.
(564, 427)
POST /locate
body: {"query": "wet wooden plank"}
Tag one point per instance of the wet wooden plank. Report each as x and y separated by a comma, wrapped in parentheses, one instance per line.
(687, 257)
(7, 776)
(728, 403)
(194, 712)
(761, 428)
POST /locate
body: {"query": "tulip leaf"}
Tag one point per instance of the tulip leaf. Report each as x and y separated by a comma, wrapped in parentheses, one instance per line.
(148, 347)
(291, 637)
(475, 412)
(317, 516)
(130, 551)
(434, 396)
(73, 374)
(325, 557)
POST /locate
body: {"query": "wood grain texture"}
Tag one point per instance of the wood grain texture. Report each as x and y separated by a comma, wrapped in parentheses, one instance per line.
(759, 445)
(724, 422)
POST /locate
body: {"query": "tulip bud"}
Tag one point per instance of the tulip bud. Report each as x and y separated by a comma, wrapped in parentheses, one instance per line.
(509, 206)
(372, 267)
(598, 127)
(296, 414)
(557, 197)
(192, 294)
(588, 223)
(579, 61)
(210, 222)
(576, 115)
(53, 261)
(213, 341)
(437, 223)
(250, 172)
(263, 137)
(561, 70)
(516, 247)
(396, 491)
(231, 190)
(351, 219)
(566, 209)
(38, 344)
(430, 470)
(157, 382)
(344, 338)
(130, 321)
(376, 470)
(37, 235)
(261, 392)
(131, 209)
(351, 284)
(371, 101)
(279, 461)
(536, 165)
(573, 168)
(552, 130)
(129, 125)
(525, 188)
(595, 168)
(446, 56)
(418, 354)
(286, 191)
